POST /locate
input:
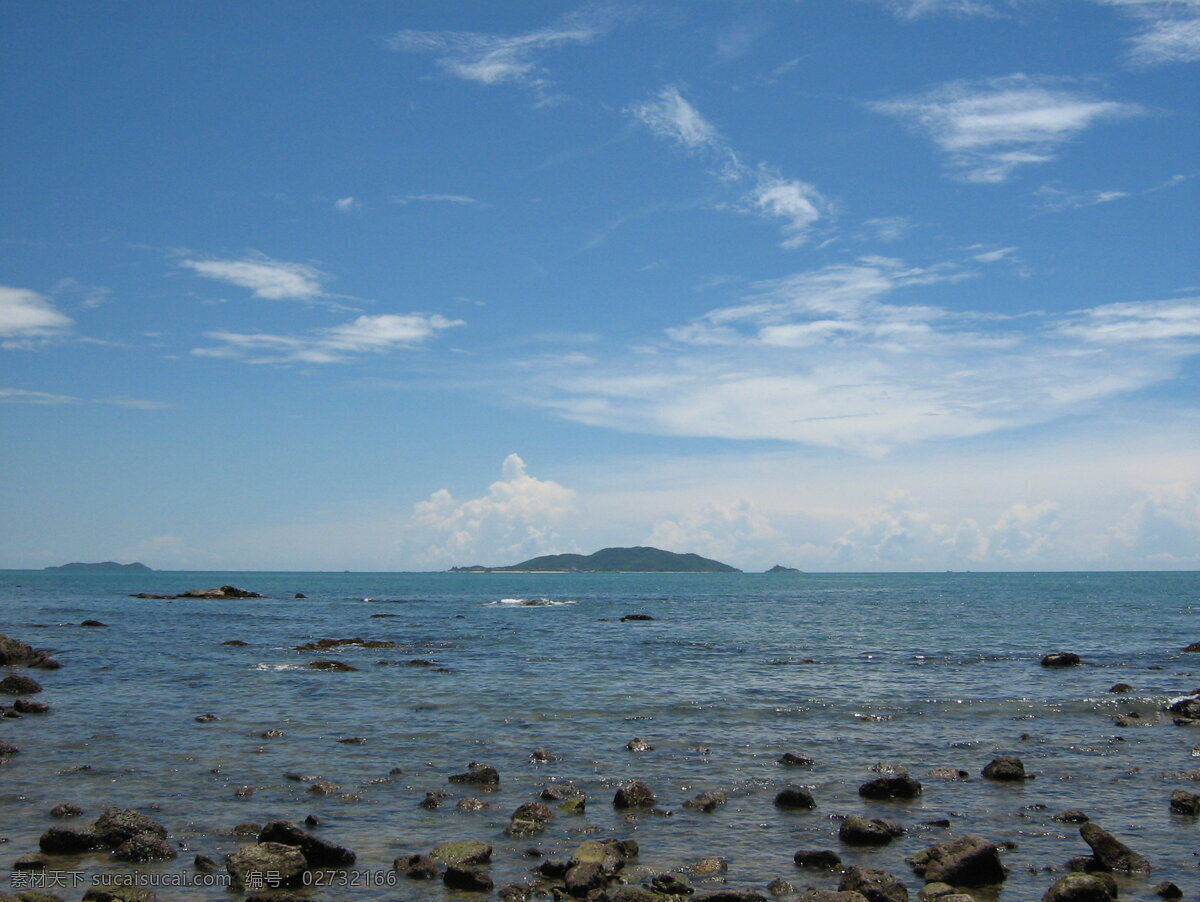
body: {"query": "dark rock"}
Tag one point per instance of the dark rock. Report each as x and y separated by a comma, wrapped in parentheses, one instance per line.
(247, 828)
(516, 892)
(529, 819)
(890, 786)
(356, 642)
(15, 653)
(817, 858)
(116, 892)
(632, 894)
(222, 592)
(1061, 659)
(1006, 768)
(829, 895)
(555, 792)
(967, 861)
(323, 788)
(633, 794)
(25, 706)
(432, 800)
(1072, 816)
(1184, 802)
(31, 863)
(144, 847)
(582, 878)
(312, 821)
(780, 887)
(787, 759)
(1111, 852)
(93, 623)
(340, 666)
(471, 804)
(205, 865)
(243, 792)
(609, 854)
(707, 801)
(7, 750)
(671, 885)
(299, 595)
(66, 810)
(272, 863)
(553, 868)
(795, 798)
(860, 831)
(236, 643)
(542, 755)
(319, 853)
(876, 886)
(628, 617)
(1168, 890)
(353, 740)
(730, 895)
(1082, 888)
(478, 775)
(1195, 646)
(637, 744)
(68, 841)
(462, 853)
(1121, 687)
(17, 684)
(416, 867)
(1085, 864)
(474, 880)
(708, 867)
(271, 734)
(206, 718)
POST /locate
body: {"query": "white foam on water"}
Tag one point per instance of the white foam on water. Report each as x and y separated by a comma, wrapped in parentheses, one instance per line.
(274, 668)
(529, 603)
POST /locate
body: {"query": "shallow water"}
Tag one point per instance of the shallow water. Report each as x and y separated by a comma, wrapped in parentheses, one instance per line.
(735, 669)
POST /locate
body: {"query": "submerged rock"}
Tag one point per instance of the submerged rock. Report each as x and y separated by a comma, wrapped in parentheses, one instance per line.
(875, 885)
(707, 801)
(637, 744)
(795, 798)
(788, 759)
(478, 775)
(944, 772)
(1184, 802)
(319, 853)
(823, 859)
(633, 794)
(1061, 659)
(861, 831)
(341, 666)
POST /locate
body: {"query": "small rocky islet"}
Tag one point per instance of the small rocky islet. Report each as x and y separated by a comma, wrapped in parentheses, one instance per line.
(302, 864)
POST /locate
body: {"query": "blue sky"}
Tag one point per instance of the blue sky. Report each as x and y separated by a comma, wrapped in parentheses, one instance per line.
(841, 284)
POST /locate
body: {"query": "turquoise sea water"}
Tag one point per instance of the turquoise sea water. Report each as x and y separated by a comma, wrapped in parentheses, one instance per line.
(911, 670)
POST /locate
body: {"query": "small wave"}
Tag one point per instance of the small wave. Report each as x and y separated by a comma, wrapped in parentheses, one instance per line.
(274, 668)
(529, 603)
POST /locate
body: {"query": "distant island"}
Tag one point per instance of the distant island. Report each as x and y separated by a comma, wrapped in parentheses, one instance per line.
(102, 565)
(779, 568)
(640, 559)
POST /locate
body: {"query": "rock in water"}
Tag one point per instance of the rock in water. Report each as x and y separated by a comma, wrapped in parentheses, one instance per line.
(1184, 802)
(463, 853)
(475, 880)
(319, 853)
(1111, 852)
(967, 861)
(817, 858)
(478, 775)
(281, 865)
(16, 684)
(859, 831)
(1082, 888)
(1006, 768)
(1061, 659)
(634, 794)
(890, 786)
(795, 798)
(876, 886)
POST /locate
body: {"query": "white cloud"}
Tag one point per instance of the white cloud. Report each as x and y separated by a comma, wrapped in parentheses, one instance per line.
(716, 530)
(503, 59)
(366, 334)
(917, 9)
(988, 129)
(461, 199)
(27, 319)
(668, 115)
(889, 228)
(515, 520)
(1054, 199)
(22, 396)
(1162, 526)
(1169, 33)
(275, 280)
(828, 358)
(347, 204)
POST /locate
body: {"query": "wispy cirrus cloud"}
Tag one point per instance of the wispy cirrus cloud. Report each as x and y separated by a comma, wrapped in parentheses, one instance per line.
(459, 199)
(364, 335)
(25, 396)
(830, 357)
(988, 129)
(275, 280)
(1055, 199)
(490, 59)
(765, 191)
(1169, 30)
(918, 9)
(28, 320)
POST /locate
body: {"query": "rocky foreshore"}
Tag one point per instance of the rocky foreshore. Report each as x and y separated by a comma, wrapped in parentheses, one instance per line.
(282, 860)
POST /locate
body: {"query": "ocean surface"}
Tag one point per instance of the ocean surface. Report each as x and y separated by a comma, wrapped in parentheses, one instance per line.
(906, 671)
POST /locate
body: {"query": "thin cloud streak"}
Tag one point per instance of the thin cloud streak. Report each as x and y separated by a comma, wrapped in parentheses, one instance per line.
(828, 358)
(989, 129)
(275, 280)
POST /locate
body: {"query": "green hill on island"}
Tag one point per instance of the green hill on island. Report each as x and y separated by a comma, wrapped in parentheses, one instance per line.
(640, 559)
(102, 565)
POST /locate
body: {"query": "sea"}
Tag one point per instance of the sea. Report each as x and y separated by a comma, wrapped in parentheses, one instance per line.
(862, 673)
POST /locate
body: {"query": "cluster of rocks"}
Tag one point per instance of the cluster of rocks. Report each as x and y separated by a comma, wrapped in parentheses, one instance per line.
(128, 835)
(219, 592)
(15, 653)
(280, 856)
